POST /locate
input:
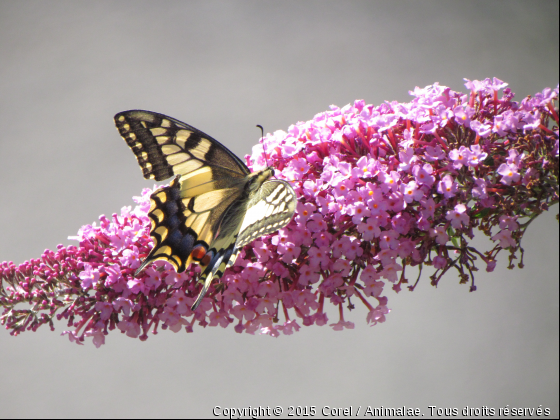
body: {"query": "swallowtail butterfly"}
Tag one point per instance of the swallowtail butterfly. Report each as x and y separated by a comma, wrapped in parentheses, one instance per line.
(213, 206)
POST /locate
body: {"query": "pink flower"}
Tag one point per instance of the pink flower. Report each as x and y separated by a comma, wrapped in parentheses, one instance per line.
(297, 168)
(343, 267)
(390, 272)
(483, 130)
(340, 325)
(429, 207)
(342, 186)
(289, 252)
(317, 223)
(308, 275)
(440, 235)
(98, 336)
(124, 304)
(369, 229)
(377, 203)
(440, 262)
(463, 114)
(389, 239)
(447, 187)
(89, 276)
(389, 180)
(508, 222)
(304, 211)
(459, 157)
(340, 245)
(365, 168)
(377, 315)
(352, 249)
(423, 174)
(130, 327)
(358, 211)
(479, 189)
(242, 311)
(411, 192)
(319, 257)
(407, 158)
(130, 257)
(458, 216)
(219, 318)
(504, 236)
(180, 301)
(105, 310)
(476, 155)
(509, 173)
(434, 153)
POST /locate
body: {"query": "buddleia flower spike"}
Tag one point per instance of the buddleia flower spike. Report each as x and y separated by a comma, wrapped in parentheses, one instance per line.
(382, 190)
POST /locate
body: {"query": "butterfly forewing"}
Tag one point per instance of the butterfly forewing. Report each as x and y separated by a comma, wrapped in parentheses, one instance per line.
(165, 146)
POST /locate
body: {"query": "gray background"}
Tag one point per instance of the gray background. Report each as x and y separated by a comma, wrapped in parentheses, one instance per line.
(67, 67)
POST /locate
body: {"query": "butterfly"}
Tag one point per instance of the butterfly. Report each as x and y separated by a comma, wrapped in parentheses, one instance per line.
(213, 206)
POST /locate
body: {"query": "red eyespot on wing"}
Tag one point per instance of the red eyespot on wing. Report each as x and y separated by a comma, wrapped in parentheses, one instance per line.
(206, 260)
(198, 253)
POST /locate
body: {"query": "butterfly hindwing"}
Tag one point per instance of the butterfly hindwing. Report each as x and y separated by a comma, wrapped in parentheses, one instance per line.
(270, 209)
(184, 229)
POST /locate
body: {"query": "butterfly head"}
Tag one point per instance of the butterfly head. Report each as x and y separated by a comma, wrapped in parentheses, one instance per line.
(261, 176)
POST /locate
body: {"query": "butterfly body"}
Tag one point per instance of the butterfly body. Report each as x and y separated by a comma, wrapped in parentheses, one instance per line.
(213, 206)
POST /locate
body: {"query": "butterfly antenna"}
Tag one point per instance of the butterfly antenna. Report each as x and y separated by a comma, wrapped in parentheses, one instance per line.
(264, 149)
(262, 141)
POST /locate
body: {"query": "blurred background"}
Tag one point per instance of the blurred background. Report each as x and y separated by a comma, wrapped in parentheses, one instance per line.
(67, 67)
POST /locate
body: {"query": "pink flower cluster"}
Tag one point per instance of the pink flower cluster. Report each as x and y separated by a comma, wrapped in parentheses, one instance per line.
(380, 188)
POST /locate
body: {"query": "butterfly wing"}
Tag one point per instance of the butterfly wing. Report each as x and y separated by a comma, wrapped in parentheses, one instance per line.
(186, 215)
(165, 146)
(184, 229)
(223, 250)
(270, 209)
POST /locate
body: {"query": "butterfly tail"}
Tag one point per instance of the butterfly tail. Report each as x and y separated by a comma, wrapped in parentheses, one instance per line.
(144, 264)
(202, 293)
(215, 269)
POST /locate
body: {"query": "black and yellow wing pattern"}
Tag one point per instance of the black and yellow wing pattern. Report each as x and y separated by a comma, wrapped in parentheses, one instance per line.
(213, 206)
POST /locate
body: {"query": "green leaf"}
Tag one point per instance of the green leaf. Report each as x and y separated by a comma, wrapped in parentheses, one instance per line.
(451, 233)
(482, 213)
